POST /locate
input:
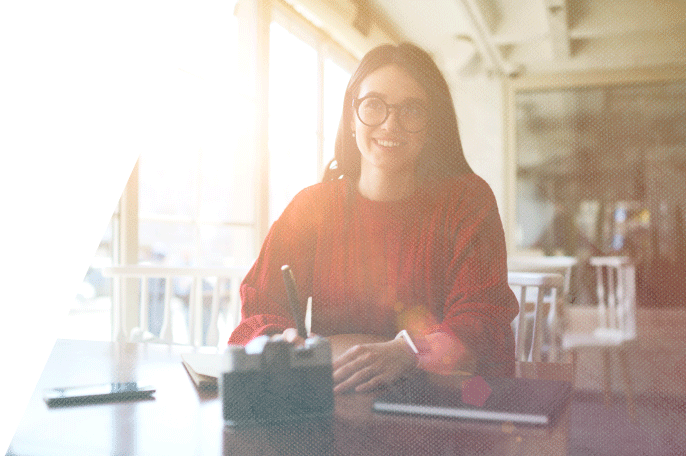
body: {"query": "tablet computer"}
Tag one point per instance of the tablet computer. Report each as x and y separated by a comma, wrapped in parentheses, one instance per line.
(516, 400)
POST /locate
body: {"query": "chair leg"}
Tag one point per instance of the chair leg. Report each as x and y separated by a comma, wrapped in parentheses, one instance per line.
(607, 377)
(575, 364)
(628, 385)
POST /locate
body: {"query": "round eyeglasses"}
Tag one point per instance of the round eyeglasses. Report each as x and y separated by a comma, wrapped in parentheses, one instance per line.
(373, 111)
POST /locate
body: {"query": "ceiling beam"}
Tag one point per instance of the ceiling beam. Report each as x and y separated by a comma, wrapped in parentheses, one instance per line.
(484, 41)
(556, 13)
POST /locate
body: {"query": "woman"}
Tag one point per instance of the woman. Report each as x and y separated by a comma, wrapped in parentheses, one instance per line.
(400, 235)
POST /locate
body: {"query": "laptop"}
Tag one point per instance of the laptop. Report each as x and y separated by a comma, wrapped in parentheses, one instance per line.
(516, 400)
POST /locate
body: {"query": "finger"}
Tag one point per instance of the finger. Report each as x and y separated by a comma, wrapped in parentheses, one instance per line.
(355, 379)
(350, 355)
(387, 374)
(372, 384)
(346, 370)
(291, 336)
(345, 358)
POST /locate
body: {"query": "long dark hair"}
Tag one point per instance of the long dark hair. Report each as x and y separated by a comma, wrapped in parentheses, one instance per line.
(442, 155)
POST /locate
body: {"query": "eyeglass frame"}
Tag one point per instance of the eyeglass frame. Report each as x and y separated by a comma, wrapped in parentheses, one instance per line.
(357, 102)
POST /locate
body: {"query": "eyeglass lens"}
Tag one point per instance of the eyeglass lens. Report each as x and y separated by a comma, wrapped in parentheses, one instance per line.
(373, 111)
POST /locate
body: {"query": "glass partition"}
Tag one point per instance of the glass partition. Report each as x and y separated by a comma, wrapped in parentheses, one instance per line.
(602, 171)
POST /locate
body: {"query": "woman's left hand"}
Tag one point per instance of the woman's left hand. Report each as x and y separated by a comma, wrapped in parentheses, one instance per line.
(365, 367)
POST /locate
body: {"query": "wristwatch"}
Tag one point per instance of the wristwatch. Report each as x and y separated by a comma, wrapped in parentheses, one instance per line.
(408, 340)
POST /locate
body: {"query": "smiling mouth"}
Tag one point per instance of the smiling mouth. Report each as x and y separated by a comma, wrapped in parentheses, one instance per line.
(389, 143)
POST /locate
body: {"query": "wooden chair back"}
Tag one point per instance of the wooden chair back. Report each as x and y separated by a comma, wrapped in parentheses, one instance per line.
(131, 302)
(616, 296)
(532, 287)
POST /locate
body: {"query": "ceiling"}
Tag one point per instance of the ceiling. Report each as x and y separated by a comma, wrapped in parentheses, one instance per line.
(515, 37)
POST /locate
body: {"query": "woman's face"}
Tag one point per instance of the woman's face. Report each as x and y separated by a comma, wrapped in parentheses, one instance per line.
(389, 147)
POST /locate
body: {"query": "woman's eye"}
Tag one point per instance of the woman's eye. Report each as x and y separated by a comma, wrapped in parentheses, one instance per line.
(374, 104)
(413, 110)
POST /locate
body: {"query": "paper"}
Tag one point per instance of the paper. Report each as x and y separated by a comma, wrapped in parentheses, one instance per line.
(208, 364)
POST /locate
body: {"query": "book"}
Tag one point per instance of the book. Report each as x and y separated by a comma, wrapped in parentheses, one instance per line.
(516, 400)
(203, 368)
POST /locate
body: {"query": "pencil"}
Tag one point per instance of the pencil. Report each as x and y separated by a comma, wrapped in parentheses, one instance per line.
(293, 300)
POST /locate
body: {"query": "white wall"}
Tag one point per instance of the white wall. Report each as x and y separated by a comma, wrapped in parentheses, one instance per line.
(479, 103)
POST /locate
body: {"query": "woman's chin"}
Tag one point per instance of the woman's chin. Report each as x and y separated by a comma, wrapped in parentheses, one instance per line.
(389, 164)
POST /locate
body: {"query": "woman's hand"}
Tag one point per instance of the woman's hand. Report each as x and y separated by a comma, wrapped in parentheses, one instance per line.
(290, 335)
(365, 367)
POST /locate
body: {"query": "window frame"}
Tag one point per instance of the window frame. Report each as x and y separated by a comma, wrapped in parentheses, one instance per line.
(326, 47)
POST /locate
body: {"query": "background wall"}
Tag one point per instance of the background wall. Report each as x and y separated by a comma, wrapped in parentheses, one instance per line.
(479, 102)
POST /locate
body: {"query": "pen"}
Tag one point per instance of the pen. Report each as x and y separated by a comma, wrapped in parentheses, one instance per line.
(289, 280)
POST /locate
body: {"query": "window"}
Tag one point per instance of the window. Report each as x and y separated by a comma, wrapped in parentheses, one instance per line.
(306, 86)
(197, 195)
(90, 316)
(293, 68)
(195, 200)
(335, 81)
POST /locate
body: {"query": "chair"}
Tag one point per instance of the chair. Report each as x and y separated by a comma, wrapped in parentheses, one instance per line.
(131, 307)
(532, 287)
(555, 323)
(562, 265)
(616, 321)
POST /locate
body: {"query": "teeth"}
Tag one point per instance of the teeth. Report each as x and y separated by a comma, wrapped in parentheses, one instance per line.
(385, 143)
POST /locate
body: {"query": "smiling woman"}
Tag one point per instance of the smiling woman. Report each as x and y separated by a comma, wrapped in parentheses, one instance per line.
(401, 245)
(389, 141)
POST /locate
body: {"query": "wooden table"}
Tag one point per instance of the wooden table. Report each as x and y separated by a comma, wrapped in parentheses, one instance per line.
(181, 420)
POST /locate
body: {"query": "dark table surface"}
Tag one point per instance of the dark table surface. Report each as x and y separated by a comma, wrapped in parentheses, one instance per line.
(183, 420)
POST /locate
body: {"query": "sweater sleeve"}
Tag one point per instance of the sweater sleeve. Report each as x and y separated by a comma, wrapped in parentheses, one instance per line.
(264, 300)
(479, 305)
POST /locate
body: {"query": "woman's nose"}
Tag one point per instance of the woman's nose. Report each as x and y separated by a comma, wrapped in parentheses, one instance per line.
(392, 122)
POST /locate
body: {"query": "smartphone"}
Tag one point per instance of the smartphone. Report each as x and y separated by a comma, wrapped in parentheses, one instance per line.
(90, 394)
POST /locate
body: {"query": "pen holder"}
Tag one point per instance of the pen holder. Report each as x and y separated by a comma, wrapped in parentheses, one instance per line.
(272, 380)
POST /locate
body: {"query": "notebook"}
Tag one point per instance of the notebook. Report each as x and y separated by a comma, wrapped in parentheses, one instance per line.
(203, 368)
(516, 400)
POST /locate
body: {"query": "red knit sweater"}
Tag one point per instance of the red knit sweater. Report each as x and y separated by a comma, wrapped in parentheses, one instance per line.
(435, 261)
